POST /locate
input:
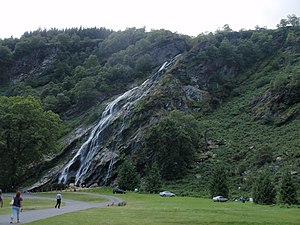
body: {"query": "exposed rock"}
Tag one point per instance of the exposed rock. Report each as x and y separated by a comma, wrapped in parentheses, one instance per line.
(97, 159)
(195, 94)
(294, 173)
(279, 159)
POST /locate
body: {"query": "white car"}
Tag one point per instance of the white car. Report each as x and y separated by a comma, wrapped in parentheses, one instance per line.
(166, 194)
(220, 199)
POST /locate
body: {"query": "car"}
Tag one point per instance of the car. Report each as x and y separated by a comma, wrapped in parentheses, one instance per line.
(220, 199)
(166, 194)
(118, 191)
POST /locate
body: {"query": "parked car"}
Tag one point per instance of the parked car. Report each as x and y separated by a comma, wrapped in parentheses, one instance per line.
(166, 194)
(220, 199)
(118, 191)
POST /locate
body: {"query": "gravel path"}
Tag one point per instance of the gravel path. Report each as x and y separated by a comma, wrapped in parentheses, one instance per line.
(70, 206)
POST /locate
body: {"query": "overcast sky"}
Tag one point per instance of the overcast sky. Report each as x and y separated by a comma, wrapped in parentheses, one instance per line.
(190, 17)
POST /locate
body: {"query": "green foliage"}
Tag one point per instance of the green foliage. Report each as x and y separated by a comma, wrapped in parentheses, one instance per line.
(228, 52)
(264, 191)
(85, 93)
(219, 182)
(118, 41)
(263, 156)
(128, 178)
(172, 144)
(291, 20)
(53, 64)
(143, 64)
(5, 62)
(153, 182)
(288, 190)
(27, 135)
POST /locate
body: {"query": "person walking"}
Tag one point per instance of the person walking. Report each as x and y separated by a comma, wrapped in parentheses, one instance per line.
(17, 206)
(58, 200)
(1, 199)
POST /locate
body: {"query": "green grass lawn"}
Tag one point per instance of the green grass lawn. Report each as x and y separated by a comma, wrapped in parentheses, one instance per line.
(152, 209)
(74, 196)
(31, 204)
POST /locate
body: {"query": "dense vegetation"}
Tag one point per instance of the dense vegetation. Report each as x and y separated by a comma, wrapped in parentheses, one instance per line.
(72, 70)
(27, 135)
(244, 114)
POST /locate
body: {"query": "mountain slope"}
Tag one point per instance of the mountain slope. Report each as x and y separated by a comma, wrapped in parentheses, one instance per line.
(242, 87)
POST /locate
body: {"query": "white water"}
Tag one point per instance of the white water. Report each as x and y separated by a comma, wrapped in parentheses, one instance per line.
(121, 106)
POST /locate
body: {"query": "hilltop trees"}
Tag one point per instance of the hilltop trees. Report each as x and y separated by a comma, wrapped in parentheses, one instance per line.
(27, 135)
(5, 61)
(291, 20)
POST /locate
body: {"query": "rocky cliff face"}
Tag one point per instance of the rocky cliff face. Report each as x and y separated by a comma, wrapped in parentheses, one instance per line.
(121, 129)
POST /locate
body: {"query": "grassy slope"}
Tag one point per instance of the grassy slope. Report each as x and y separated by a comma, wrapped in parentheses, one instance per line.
(153, 209)
(244, 136)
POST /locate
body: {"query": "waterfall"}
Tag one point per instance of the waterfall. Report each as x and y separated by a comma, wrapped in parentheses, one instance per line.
(118, 108)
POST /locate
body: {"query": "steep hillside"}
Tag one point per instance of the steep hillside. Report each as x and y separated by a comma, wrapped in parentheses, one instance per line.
(111, 88)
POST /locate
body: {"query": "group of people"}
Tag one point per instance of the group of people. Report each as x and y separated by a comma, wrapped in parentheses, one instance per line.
(17, 205)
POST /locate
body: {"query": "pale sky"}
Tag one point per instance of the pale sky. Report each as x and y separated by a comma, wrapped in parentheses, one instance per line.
(190, 17)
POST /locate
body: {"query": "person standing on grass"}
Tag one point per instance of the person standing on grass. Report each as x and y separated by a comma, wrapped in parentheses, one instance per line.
(17, 206)
(58, 200)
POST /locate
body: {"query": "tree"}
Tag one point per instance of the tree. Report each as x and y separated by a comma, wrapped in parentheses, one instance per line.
(218, 182)
(283, 23)
(153, 180)
(172, 144)
(228, 51)
(27, 135)
(143, 64)
(264, 190)
(288, 190)
(128, 178)
(5, 62)
(293, 20)
(85, 92)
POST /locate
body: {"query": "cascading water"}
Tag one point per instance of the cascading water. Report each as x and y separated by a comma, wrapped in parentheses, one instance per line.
(121, 107)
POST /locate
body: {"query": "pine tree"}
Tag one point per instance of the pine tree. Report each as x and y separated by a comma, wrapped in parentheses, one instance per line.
(264, 190)
(288, 190)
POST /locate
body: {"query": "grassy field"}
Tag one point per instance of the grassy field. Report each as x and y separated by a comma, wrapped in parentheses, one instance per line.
(74, 196)
(34, 204)
(31, 204)
(144, 209)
